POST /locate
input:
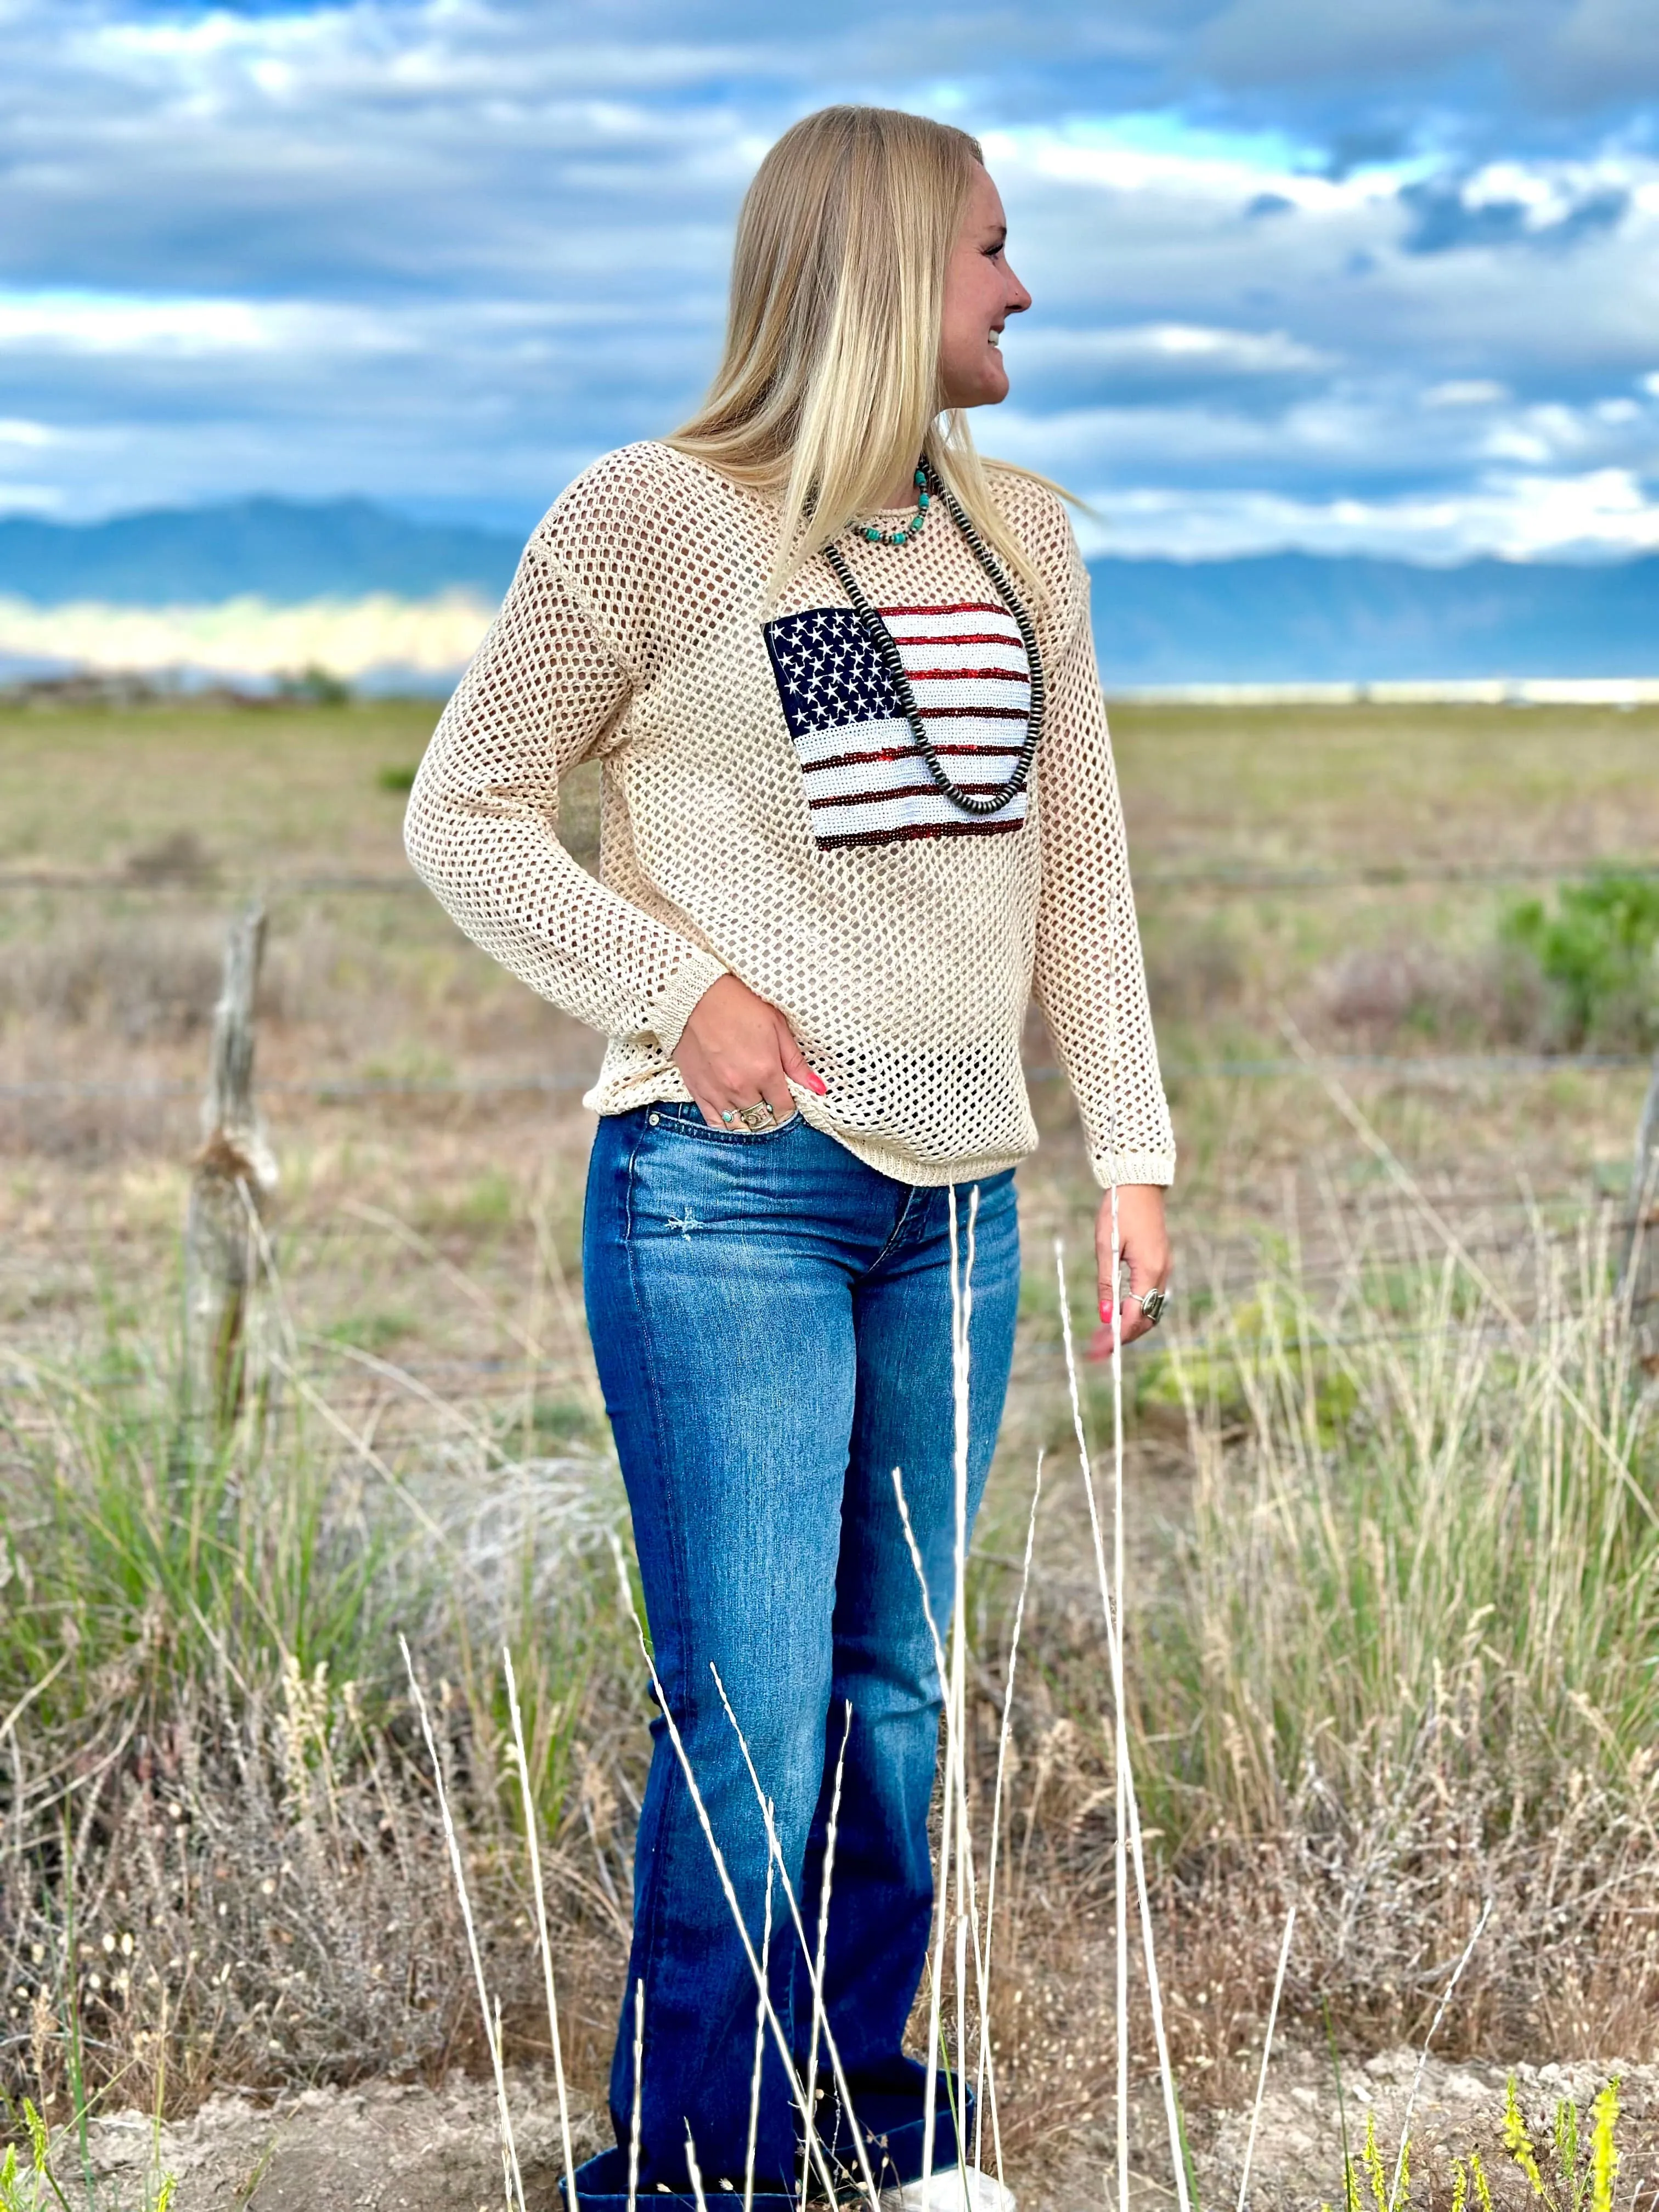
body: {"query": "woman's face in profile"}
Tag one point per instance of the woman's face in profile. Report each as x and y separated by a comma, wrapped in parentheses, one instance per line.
(981, 292)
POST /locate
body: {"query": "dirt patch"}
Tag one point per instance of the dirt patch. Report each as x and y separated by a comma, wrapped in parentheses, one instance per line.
(386, 2147)
(404, 2147)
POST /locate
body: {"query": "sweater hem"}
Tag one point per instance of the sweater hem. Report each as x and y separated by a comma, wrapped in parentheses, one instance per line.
(925, 1175)
(656, 1086)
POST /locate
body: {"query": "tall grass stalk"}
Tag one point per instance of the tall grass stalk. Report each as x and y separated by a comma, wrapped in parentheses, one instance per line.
(514, 2184)
(1114, 1655)
(760, 2049)
(1004, 1733)
(532, 1840)
(825, 1888)
(1266, 2055)
(695, 2173)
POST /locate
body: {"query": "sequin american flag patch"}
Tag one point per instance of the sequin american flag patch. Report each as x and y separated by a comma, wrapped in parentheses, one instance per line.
(866, 781)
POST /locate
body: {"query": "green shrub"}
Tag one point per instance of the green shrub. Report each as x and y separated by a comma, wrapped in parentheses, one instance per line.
(1599, 952)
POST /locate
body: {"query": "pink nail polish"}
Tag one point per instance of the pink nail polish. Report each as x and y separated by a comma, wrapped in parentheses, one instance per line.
(816, 1083)
(1106, 1312)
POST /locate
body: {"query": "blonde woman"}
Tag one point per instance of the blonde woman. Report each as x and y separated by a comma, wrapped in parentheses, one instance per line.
(859, 805)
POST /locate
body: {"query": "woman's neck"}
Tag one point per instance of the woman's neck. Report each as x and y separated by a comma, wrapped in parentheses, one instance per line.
(901, 492)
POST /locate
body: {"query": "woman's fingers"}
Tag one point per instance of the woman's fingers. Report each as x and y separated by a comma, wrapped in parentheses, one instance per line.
(736, 1051)
(1143, 1245)
(796, 1064)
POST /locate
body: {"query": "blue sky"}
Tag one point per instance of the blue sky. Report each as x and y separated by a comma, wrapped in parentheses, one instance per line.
(1350, 275)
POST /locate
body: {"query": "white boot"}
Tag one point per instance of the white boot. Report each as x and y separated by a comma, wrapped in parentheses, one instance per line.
(955, 2189)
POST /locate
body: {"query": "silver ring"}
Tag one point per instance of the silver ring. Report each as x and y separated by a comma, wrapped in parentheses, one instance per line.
(1151, 1305)
(729, 1114)
(757, 1116)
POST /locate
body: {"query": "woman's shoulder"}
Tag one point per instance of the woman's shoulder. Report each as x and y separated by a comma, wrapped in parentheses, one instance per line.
(1035, 509)
(642, 541)
(1037, 516)
(647, 488)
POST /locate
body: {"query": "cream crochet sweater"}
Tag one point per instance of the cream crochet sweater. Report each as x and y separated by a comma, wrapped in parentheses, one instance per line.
(764, 811)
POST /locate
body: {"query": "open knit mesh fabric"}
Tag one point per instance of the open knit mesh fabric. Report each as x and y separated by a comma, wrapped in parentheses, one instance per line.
(765, 811)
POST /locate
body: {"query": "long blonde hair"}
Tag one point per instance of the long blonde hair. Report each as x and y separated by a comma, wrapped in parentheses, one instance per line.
(829, 386)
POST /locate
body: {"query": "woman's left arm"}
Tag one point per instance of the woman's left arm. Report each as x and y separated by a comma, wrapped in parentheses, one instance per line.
(1090, 980)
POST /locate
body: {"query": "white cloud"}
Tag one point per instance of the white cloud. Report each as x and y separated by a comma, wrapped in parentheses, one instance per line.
(1466, 391)
(1605, 513)
(1166, 346)
(136, 323)
(1108, 160)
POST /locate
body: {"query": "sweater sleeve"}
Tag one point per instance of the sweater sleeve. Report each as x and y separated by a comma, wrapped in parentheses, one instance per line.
(543, 691)
(1089, 978)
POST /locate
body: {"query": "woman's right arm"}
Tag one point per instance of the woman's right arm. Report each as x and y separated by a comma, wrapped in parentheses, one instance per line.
(481, 828)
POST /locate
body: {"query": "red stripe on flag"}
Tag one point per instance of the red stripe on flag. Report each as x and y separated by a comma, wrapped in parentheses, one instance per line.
(905, 790)
(961, 607)
(973, 714)
(966, 675)
(902, 833)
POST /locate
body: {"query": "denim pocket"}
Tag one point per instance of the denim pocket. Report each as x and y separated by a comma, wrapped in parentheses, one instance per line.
(676, 1119)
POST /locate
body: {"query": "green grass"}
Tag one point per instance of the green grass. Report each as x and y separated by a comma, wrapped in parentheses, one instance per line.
(1417, 1611)
(147, 1557)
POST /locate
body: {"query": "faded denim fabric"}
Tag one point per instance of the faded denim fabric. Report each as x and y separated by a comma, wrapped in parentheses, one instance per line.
(772, 1321)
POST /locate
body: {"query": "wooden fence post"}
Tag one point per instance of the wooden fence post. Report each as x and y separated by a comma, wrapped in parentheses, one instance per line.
(1641, 1270)
(235, 1173)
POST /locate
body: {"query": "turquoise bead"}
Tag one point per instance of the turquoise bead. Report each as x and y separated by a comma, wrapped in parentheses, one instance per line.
(874, 536)
(922, 502)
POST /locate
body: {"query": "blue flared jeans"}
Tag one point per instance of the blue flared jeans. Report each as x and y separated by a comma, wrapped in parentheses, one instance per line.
(772, 1322)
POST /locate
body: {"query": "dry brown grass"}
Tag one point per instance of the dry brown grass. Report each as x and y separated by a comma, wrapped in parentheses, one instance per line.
(423, 1242)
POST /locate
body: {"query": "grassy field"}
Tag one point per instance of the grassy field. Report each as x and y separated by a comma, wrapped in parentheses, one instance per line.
(1390, 1487)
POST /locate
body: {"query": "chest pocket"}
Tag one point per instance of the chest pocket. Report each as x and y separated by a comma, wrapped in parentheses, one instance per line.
(866, 782)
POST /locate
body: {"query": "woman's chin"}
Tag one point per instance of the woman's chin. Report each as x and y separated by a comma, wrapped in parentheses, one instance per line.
(988, 388)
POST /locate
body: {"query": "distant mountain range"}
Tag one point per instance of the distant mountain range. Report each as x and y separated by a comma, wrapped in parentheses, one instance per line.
(285, 550)
(1280, 617)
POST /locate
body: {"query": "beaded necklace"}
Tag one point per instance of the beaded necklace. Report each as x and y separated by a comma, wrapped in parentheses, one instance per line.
(906, 531)
(970, 802)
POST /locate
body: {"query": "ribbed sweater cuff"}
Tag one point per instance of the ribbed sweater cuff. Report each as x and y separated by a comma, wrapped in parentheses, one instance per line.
(670, 1011)
(1134, 1167)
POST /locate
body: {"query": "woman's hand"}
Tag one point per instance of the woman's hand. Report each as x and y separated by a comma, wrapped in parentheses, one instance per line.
(736, 1050)
(1143, 1242)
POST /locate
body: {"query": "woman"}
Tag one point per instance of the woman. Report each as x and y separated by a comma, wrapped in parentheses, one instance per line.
(859, 803)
